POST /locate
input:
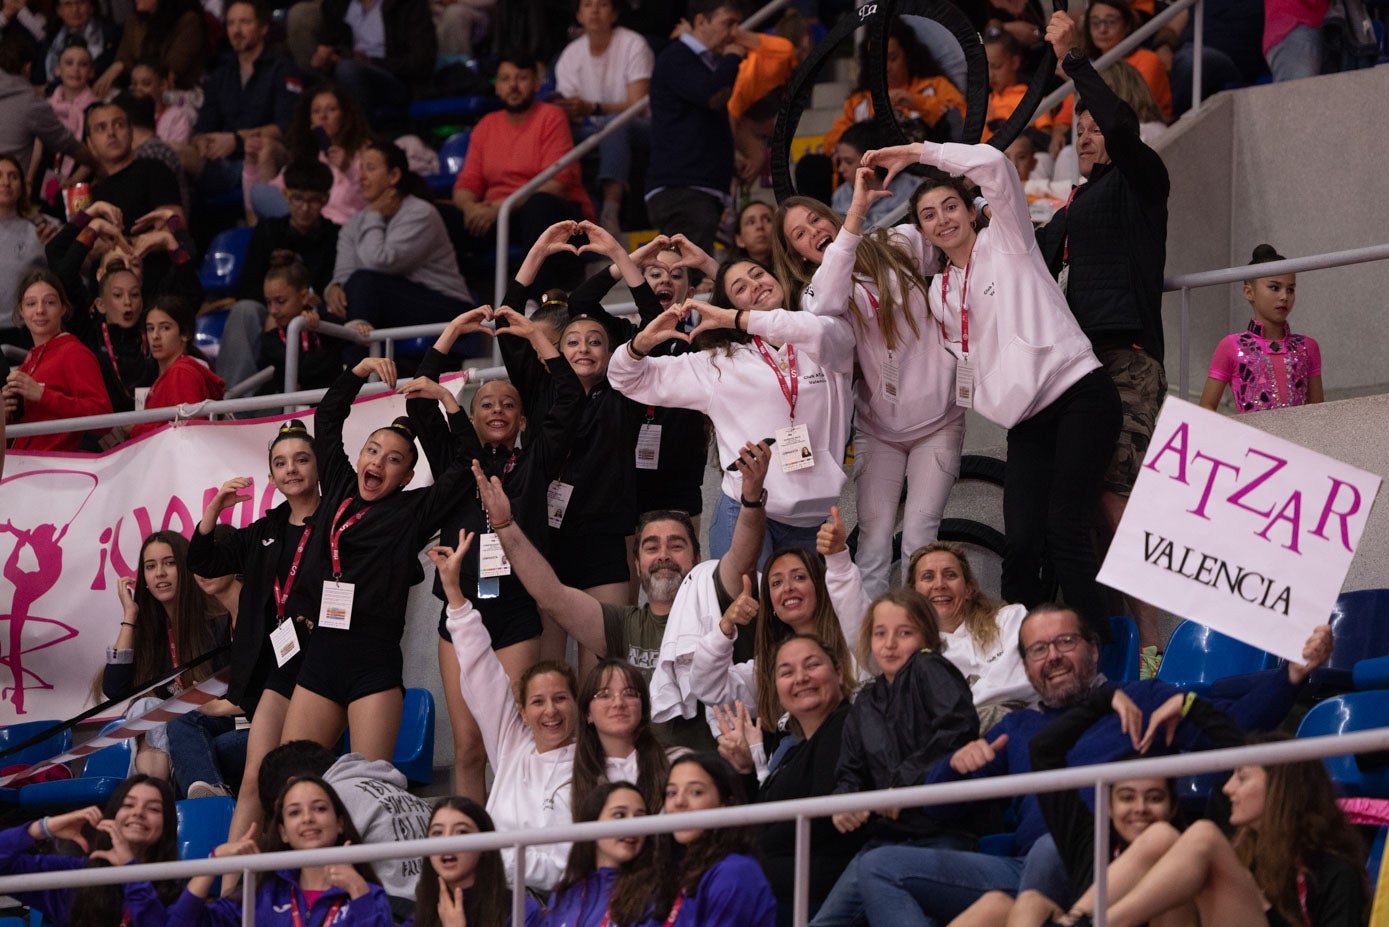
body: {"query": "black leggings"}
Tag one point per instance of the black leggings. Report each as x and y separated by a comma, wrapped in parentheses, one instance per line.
(1051, 491)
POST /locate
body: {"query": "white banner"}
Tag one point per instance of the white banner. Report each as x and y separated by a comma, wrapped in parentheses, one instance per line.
(1241, 531)
(71, 524)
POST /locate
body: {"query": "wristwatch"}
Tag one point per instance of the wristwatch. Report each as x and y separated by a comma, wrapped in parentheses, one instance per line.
(760, 503)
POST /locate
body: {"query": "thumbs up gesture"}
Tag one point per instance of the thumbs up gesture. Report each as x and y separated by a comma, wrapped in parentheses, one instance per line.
(742, 611)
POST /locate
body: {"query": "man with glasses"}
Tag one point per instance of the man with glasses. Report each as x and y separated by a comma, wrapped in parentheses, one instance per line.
(904, 885)
(304, 231)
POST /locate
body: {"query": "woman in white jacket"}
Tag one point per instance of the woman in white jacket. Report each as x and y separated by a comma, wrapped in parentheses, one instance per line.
(1021, 361)
(908, 427)
(531, 749)
(755, 380)
(794, 599)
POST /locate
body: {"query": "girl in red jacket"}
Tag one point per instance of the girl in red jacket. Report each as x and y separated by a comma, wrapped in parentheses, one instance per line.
(59, 377)
(184, 376)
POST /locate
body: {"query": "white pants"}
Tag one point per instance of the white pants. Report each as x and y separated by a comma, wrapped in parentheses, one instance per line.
(929, 466)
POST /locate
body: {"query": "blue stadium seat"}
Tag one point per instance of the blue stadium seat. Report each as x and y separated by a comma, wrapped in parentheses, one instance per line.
(1196, 657)
(223, 261)
(13, 734)
(104, 771)
(207, 331)
(1360, 627)
(203, 825)
(451, 156)
(414, 745)
(470, 108)
(1119, 659)
(1355, 711)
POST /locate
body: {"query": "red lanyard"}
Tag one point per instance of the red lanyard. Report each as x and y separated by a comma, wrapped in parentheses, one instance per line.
(336, 532)
(281, 597)
(303, 339)
(791, 390)
(675, 909)
(111, 353)
(35, 355)
(1302, 893)
(964, 311)
(173, 651)
(299, 918)
(125, 919)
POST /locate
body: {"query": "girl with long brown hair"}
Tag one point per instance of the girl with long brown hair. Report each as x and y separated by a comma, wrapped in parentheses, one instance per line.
(909, 427)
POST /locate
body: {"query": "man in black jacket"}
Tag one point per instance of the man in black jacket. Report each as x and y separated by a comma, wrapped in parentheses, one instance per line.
(1108, 246)
(378, 51)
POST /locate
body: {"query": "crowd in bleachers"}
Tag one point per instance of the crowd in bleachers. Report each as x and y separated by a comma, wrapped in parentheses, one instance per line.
(567, 500)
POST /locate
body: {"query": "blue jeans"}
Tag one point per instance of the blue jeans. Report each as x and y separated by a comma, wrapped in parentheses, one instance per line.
(778, 534)
(1298, 55)
(926, 886)
(615, 150)
(193, 740)
(849, 904)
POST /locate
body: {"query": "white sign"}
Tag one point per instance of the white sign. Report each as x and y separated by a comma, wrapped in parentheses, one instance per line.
(1243, 532)
(72, 524)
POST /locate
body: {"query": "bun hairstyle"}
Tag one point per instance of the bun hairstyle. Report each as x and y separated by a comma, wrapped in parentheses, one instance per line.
(294, 428)
(402, 427)
(1263, 254)
(288, 266)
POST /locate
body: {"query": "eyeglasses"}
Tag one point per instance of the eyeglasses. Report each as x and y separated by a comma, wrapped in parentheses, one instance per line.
(307, 199)
(1065, 643)
(607, 695)
(1106, 22)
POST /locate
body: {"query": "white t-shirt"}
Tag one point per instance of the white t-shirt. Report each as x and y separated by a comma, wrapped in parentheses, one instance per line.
(603, 79)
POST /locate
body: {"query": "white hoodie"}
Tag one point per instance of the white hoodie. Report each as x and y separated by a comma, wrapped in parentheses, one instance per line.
(925, 369)
(529, 789)
(1024, 344)
(743, 397)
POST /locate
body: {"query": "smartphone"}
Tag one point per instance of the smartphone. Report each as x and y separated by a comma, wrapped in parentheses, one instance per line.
(734, 466)
(320, 137)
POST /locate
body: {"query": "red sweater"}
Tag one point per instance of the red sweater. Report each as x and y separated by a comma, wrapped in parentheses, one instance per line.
(72, 387)
(187, 380)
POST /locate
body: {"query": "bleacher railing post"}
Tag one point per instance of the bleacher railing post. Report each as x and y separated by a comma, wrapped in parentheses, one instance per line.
(800, 905)
(1101, 915)
(1198, 41)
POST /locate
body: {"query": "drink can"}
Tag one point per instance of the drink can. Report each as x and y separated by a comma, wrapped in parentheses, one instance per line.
(77, 197)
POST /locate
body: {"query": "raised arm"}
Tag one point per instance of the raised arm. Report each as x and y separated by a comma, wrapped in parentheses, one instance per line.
(483, 680)
(827, 339)
(751, 527)
(332, 412)
(842, 579)
(577, 612)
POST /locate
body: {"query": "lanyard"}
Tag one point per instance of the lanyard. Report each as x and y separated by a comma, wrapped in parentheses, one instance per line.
(675, 909)
(34, 358)
(299, 918)
(111, 353)
(303, 339)
(336, 532)
(125, 919)
(173, 651)
(1302, 893)
(964, 310)
(282, 596)
(791, 390)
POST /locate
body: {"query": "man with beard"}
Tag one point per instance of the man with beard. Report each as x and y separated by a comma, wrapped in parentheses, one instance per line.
(247, 102)
(667, 552)
(904, 885)
(505, 151)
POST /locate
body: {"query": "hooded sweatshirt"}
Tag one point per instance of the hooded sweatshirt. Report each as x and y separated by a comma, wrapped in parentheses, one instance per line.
(375, 795)
(188, 380)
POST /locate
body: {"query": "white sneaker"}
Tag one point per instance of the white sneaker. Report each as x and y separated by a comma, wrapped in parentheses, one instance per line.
(202, 789)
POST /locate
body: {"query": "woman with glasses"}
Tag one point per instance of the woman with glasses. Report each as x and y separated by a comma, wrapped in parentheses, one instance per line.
(615, 742)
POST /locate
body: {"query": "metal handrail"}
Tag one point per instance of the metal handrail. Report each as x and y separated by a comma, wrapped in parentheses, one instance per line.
(249, 385)
(1188, 282)
(1183, 283)
(1117, 53)
(1129, 43)
(578, 151)
(801, 810)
